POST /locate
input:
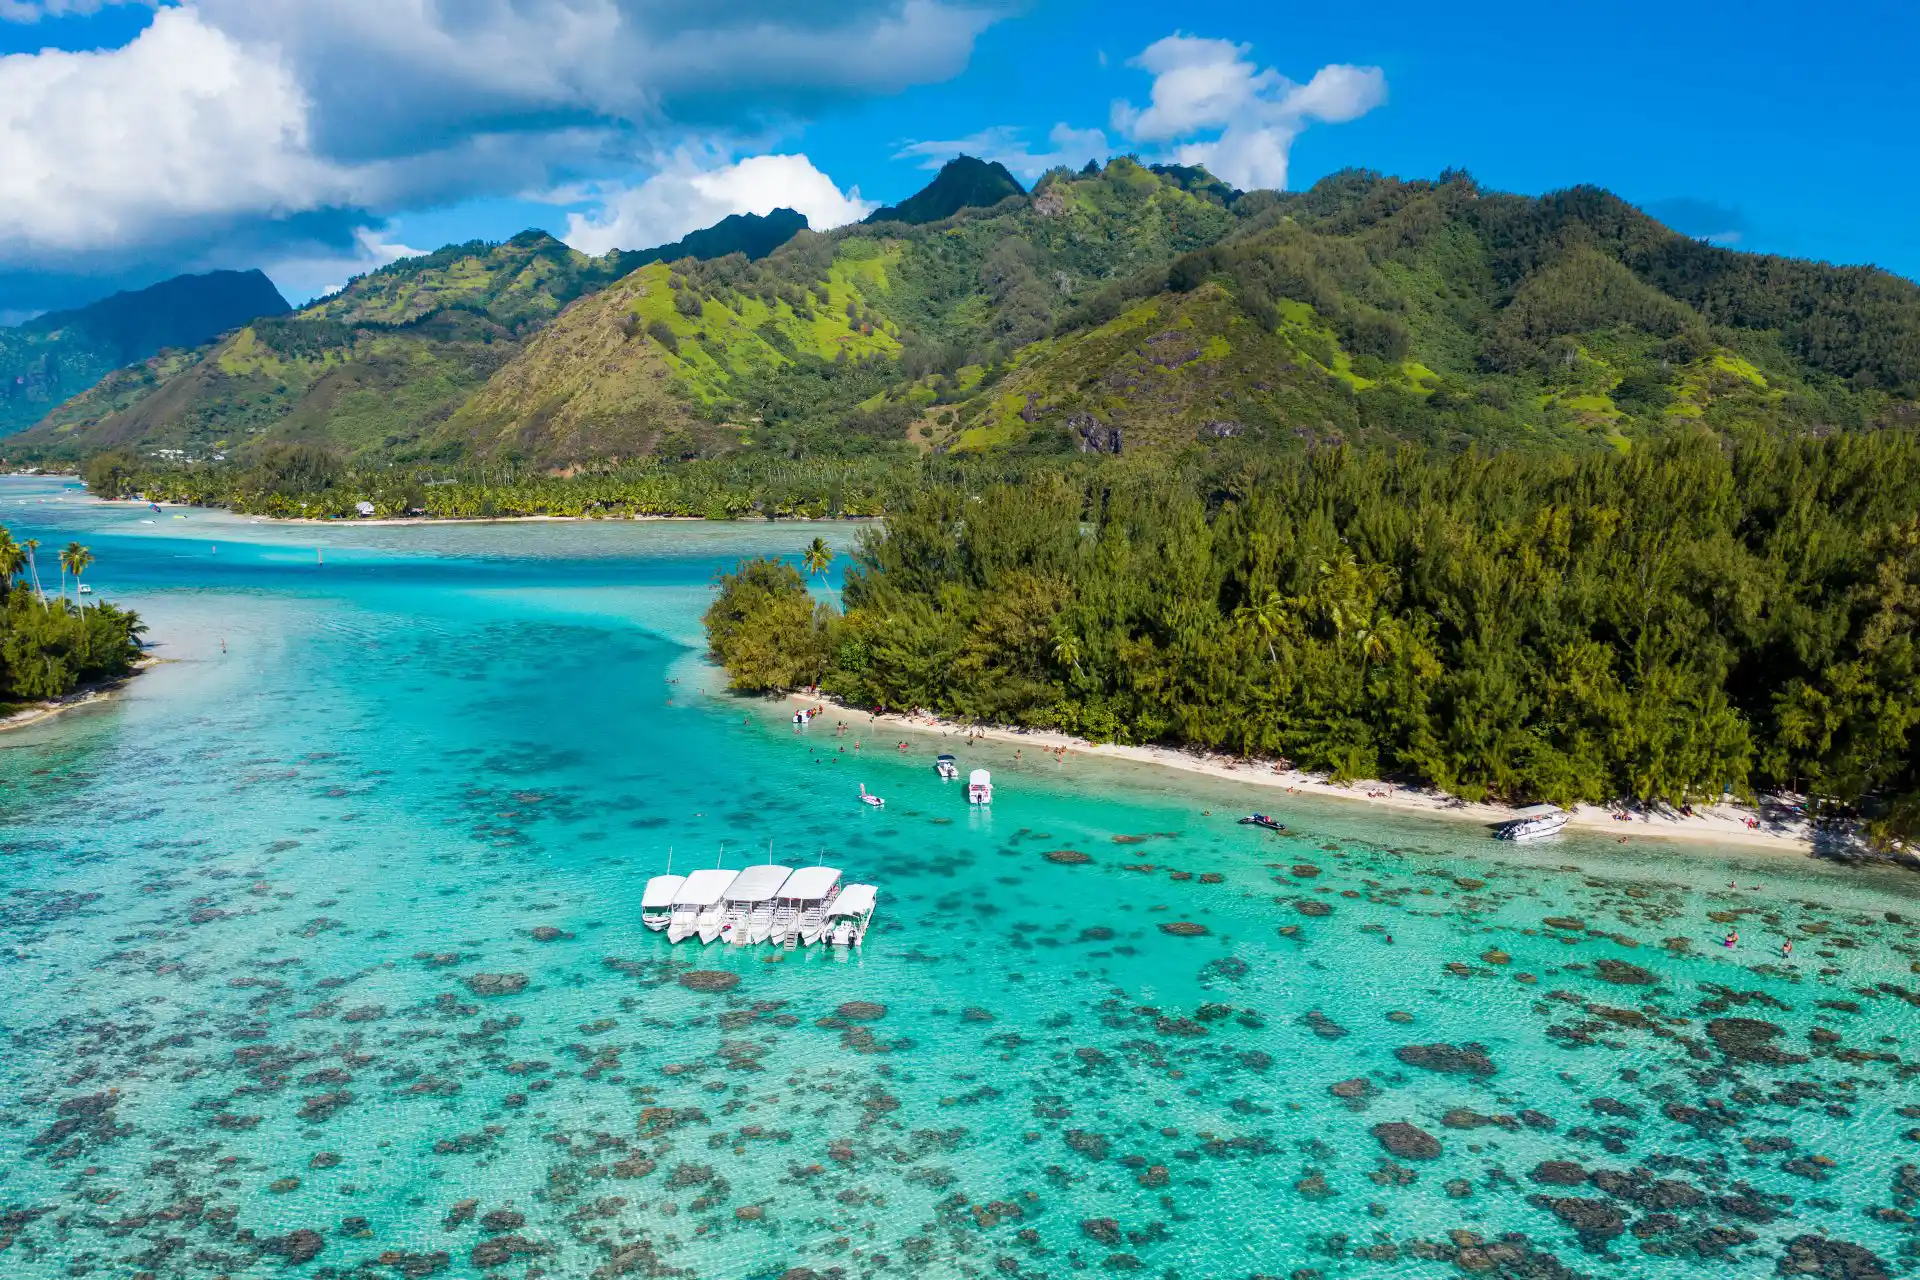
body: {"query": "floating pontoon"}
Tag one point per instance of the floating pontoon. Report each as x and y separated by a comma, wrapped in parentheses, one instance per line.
(656, 906)
(801, 906)
(748, 914)
(946, 766)
(698, 898)
(980, 787)
(849, 916)
(1534, 823)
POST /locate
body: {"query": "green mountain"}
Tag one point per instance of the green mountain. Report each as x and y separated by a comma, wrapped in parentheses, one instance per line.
(962, 183)
(753, 234)
(62, 353)
(1117, 309)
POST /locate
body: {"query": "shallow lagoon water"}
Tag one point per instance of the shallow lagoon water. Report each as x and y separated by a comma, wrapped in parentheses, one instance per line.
(246, 909)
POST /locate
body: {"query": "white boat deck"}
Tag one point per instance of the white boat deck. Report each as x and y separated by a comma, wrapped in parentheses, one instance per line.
(699, 897)
(769, 903)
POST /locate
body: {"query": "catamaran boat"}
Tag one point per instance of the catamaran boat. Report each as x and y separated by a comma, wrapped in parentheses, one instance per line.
(1535, 823)
(656, 906)
(749, 904)
(848, 916)
(980, 787)
(947, 767)
(801, 906)
(697, 899)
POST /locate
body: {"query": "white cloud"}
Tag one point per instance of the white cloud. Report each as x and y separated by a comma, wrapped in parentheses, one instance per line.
(304, 278)
(684, 197)
(1212, 104)
(232, 130)
(1066, 145)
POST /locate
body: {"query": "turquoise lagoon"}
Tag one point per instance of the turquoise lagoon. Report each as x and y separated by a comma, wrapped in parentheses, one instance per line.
(244, 908)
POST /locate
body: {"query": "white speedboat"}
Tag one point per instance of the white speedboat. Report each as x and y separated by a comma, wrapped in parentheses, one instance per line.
(868, 798)
(980, 787)
(848, 916)
(1535, 823)
(749, 904)
(947, 767)
(801, 905)
(697, 898)
(656, 905)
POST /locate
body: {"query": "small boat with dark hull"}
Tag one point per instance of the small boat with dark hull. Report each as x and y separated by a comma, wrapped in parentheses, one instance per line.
(1262, 821)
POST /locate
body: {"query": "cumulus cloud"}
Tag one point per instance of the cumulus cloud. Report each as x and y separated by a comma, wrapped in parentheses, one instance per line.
(1066, 145)
(231, 124)
(1212, 104)
(685, 197)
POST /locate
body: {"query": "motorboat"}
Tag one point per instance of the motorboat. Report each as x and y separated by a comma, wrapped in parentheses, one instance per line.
(656, 905)
(801, 905)
(849, 915)
(947, 767)
(1534, 823)
(1263, 821)
(698, 897)
(980, 787)
(868, 798)
(85, 590)
(749, 904)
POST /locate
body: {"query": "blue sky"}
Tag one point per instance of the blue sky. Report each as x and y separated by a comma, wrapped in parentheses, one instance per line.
(319, 139)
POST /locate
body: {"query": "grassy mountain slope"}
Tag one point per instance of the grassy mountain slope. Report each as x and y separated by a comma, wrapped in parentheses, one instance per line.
(1116, 308)
(963, 182)
(57, 355)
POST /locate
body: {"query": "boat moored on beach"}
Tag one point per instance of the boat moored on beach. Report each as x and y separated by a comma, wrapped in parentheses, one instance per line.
(656, 905)
(697, 902)
(800, 908)
(980, 787)
(747, 916)
(1534, 823)
(849, 915)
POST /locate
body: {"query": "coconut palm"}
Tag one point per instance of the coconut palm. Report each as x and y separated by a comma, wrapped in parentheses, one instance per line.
(33, 567)
(74, 560)
(1066, 651)
(817, 557)
(13, 558)
(1266, 617)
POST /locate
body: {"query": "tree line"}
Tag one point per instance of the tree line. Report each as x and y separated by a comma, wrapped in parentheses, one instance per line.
(1699, 616)
(51, 647)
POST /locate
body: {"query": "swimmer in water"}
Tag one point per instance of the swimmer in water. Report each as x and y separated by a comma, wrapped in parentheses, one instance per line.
(1732, 939)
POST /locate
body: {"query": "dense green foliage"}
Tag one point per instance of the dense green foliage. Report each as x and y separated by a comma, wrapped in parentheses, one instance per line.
(963, 182)
(62, 353)
(1692, 618)
(50, 647)
(766, 629)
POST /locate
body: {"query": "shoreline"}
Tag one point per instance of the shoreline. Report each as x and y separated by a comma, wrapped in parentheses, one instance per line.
(41, 712)
(1781, 833)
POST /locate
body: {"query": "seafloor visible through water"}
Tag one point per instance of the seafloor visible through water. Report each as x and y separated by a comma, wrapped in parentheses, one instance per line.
(320, 955)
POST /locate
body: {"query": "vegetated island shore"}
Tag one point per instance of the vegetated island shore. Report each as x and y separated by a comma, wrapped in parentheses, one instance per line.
(33, 713)
(1782, 830)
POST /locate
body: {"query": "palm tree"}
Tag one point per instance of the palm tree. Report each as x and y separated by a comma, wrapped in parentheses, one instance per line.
(74, 560)
(33, 567)
(817, 556)
(1267, 617)
(13, 558)
(1066, 651)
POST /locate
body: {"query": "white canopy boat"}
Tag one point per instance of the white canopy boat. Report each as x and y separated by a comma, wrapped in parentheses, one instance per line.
(801, 905)
(656, 905)
(946, 766)
(698, 898)
(1536, 822)
(980, 787)
(749, 903)
(849, 915)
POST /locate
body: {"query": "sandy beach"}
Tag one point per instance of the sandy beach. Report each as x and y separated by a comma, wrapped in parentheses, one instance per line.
(39, 711)
(1780, 830)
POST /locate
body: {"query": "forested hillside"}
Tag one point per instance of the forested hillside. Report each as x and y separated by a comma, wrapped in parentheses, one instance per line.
(1119, 309)
(58, 355)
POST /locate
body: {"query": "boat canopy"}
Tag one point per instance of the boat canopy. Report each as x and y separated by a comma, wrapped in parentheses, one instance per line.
(704, 887)
(945, 755)
(660, 892)
(1533, 811)
(758, 884)
(979, 778)
(854, 900)
(810, 884)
